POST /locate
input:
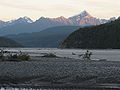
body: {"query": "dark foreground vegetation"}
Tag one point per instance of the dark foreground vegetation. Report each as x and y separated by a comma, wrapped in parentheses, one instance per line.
(96, 37)
(9, 56)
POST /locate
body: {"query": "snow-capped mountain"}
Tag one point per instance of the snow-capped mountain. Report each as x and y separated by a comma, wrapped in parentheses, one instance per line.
(84, 19)
(62, 20)
(26, 25)
(58, 21)
(21, 20)
(48, 22)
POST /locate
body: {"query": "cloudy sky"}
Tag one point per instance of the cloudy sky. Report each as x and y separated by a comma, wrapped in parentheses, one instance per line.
(13, 9)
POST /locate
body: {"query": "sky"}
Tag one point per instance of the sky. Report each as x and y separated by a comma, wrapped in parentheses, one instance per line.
(13, 9)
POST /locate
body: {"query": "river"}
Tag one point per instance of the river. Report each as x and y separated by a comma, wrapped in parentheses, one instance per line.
(108, 54)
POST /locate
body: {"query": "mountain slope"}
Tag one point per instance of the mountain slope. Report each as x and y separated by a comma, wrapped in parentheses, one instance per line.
(39, 25)
(2, 24)
(26, 25)
(96, 37)
(6, 42)
(21, 20)
(50, 37)
(63, 20)
(15, 26)
(15, 29)
(85, 19)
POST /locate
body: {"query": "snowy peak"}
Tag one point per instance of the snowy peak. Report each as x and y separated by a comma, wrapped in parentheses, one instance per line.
(42, 20)
(81, 15)
(59, 18)
(84, 19)
(59, 21)
(84, 14)
(27, 19)
(21, 20)
(62, 20)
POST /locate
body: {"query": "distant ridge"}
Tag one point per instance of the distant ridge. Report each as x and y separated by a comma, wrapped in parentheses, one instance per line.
(6, 42)
(26, 25)
(21, 20)
(48, 38)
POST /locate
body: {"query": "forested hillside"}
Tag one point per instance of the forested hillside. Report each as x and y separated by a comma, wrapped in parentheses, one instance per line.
(105, 36)
(6, 42)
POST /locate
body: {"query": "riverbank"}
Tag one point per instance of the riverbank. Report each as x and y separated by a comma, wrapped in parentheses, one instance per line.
(60, 72)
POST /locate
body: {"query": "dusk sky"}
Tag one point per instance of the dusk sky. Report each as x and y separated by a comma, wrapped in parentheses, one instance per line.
(13, 9)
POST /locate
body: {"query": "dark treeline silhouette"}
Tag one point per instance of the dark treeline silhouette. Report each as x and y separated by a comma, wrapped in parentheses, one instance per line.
(105, 36)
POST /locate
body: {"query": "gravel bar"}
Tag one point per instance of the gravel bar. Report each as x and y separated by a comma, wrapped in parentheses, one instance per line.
(60, 72)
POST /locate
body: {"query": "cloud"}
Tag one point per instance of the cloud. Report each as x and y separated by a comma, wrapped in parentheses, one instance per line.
(54, 8)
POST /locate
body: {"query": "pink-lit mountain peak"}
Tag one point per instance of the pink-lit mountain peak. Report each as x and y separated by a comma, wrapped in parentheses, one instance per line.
(59, 18)
(62, 20)
(85, 13)
(82, 15)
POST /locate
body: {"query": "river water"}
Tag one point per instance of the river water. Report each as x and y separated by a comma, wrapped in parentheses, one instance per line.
(109, 54)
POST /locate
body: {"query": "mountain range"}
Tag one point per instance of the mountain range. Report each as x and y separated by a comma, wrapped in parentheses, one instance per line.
(26, 25)
(21, 20)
